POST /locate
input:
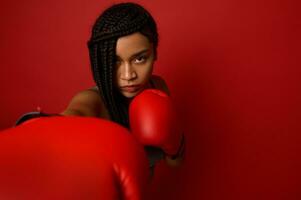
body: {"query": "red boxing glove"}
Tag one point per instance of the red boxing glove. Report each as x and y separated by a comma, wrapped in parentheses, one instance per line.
(153, 121)
(71, 158)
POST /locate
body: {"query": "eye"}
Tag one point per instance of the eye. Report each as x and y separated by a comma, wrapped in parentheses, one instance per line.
(140, 59)
(117, 62)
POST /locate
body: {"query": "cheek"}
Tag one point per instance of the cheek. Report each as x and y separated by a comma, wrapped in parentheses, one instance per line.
(146, 72)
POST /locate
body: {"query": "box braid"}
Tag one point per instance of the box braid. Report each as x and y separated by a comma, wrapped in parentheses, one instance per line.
(117, 21)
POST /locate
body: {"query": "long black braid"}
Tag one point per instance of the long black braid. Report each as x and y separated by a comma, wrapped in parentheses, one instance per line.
(117, 21)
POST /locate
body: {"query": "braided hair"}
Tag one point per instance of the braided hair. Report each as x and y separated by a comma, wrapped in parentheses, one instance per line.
(118, 20)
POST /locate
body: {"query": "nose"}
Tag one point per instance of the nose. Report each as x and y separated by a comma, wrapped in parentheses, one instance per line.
(127, 72)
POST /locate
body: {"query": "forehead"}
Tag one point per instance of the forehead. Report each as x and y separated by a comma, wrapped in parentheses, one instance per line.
(129, 45)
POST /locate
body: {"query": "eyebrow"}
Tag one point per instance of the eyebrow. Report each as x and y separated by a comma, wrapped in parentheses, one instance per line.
(136, 54)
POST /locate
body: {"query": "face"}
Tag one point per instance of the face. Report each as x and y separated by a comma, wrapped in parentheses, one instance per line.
(134, 64)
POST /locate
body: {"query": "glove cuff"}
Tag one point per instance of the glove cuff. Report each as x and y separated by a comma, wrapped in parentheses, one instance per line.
(180, 151)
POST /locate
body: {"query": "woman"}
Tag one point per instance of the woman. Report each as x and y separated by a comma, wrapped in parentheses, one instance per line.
(123, 49)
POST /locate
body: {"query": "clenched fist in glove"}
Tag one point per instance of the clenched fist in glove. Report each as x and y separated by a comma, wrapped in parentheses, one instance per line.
(71, 158)
(154, 122)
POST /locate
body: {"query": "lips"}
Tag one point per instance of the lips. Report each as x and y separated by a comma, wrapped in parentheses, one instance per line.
(131, 88)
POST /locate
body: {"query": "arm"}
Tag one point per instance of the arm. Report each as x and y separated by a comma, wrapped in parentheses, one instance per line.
(85, 103)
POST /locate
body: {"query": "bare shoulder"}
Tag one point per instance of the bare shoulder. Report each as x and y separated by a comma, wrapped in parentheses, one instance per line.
(160, 83)
(85, 103)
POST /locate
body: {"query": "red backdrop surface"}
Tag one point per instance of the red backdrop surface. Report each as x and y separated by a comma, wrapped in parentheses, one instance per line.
(233, 68)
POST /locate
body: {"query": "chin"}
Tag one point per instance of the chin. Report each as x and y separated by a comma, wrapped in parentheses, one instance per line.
(129, 94)
(132, 94)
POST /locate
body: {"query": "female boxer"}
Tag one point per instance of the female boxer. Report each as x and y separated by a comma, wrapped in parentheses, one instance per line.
(123, 49)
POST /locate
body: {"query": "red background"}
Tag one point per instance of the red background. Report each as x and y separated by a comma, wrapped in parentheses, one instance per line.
(232, 66)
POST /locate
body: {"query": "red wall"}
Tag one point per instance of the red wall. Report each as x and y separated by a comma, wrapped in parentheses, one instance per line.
(232, 67)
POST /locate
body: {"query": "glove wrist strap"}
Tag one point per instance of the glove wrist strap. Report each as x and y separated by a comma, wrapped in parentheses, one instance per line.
(180, 151)
(32, 115)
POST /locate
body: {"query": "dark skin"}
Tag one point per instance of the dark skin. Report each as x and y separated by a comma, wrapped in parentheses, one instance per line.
(134, 66)
(88, 103)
